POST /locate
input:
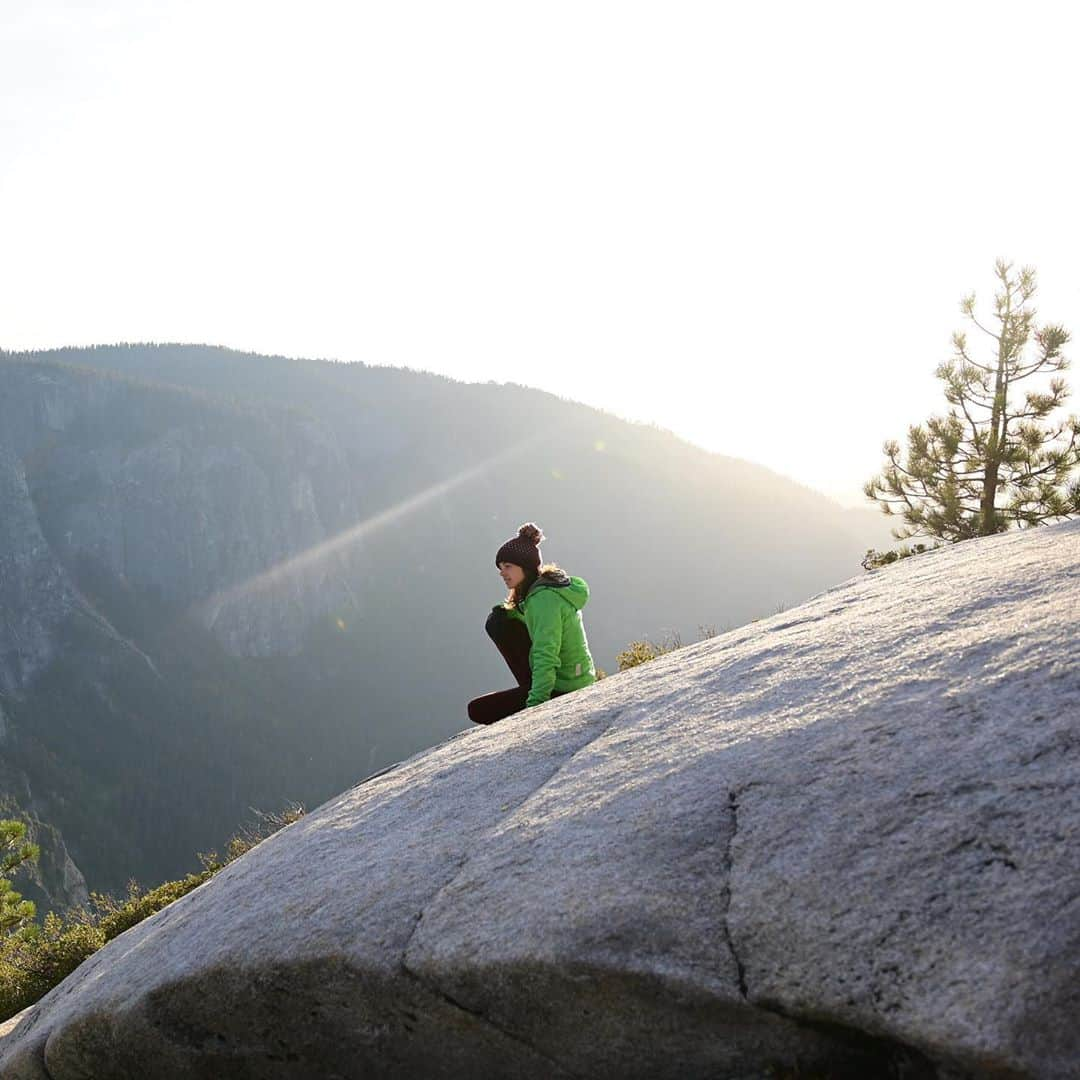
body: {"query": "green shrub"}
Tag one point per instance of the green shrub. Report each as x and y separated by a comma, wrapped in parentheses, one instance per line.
(115, 916)
(33, 961)
(641, 652)
(637, 652)
(873, 560)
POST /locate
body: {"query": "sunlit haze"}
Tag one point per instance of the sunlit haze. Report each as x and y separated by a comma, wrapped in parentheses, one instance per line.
(751, 224)
(319, 554)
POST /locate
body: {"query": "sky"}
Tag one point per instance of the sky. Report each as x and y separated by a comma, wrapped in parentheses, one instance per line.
(751, 224)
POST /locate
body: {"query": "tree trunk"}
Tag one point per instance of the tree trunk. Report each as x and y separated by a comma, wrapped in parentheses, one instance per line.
(987, 509)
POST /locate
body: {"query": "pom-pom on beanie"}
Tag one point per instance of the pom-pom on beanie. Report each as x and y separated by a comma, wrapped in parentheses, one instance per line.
(522, 550)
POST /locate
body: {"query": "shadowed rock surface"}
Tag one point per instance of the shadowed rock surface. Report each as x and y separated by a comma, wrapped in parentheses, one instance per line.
(839, 842)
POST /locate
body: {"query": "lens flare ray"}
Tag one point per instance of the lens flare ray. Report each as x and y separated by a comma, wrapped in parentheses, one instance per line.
(210, 609)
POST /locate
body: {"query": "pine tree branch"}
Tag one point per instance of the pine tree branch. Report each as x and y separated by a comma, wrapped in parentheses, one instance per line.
(963, 353)
(985, 330)
(1036, 416)
(1052, 467)
(974, 426)
(1024, 371)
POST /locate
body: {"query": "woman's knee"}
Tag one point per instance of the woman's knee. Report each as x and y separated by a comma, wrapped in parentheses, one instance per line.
(500, 625)
(484, 709)
(491, 708)
(494, 621)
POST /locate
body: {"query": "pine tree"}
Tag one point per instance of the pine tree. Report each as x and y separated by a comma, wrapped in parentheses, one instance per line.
(15, 912)
(996, 459)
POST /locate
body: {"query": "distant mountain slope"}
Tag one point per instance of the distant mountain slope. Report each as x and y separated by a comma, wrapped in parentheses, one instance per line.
(397, 432)
(279, 570)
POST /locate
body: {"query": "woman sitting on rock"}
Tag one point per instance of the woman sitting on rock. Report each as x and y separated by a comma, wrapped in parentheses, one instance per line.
(537, 628)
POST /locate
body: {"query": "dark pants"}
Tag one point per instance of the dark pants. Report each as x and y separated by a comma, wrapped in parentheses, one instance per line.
(512, 640)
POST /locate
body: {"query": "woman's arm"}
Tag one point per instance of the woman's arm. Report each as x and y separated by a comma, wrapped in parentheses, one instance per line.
(543, 615)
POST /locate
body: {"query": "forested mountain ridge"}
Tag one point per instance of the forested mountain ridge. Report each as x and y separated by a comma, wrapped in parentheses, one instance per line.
(159, 675)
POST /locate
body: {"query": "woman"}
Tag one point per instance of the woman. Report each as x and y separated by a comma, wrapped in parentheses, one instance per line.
(538, 629)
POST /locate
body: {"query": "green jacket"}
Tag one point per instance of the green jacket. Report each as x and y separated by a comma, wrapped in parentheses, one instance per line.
(559, 658)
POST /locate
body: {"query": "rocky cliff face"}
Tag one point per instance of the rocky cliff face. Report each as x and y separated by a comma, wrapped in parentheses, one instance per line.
(35, 593)
(36, 599)
(839, 842)
(121, 507)
(172, 493)
(54, 881)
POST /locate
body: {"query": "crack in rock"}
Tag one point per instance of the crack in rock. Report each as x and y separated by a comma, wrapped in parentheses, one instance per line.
(39, 1060)
(434, 988)
(894, 1060)
(728, 861)
(561, 1069)
(512, 807)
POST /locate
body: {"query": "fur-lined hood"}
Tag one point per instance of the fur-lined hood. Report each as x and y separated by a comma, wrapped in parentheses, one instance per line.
(573, 590)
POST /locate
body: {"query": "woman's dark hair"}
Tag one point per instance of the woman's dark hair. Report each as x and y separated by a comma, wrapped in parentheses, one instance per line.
(515, 596)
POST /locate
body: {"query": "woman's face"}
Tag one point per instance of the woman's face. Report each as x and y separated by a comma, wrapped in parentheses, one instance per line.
(512, 574)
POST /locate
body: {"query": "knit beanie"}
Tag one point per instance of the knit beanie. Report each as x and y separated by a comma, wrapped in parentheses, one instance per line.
(522, 550)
